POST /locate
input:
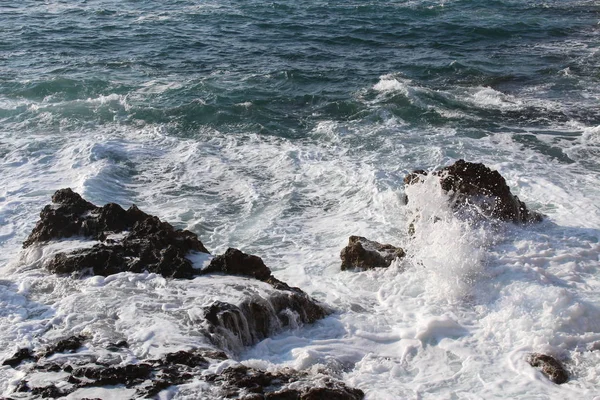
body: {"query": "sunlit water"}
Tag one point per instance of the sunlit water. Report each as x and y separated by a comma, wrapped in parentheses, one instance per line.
(282, 128)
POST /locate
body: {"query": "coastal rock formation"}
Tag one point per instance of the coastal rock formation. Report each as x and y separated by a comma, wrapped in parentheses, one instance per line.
(475, 185)
(67, 345)
(146, 242)
(131, 240)
(549, 366)
(235, 262)
(232, 326)
(366, 254)
(150, 377)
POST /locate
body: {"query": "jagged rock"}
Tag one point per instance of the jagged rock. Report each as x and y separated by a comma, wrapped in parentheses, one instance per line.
(241, 380)
(128, 375)
(148, 244)
(234, 262)
(149, 377)
(549, 366)
(366, 254)
(67, 345)
(20, 356)
(232, 326)
(49, 391)
(475, 184)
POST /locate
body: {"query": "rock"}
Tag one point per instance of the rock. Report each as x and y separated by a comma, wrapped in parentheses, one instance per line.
(20, 356)
(148, 244)
(149, 377)
(234, 326)
(241, 381)
(549, 366)
(49, 391)
(367, 254)
(234, 262)
(67, 345)
(475, 184)
(128, 375)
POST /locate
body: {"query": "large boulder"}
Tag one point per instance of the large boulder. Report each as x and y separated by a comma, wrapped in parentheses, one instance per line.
(474, 184)
(145, 242)
(363, 253)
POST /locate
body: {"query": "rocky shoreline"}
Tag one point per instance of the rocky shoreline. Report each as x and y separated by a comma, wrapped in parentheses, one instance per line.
(133, 241)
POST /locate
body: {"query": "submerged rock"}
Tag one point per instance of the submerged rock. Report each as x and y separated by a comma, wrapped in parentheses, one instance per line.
(146, 243)
(256, 384)
(474, 184)
(20, 356)
(150, 377)
(67, 345)
(232, 326)
(549, 366)
(367, 254)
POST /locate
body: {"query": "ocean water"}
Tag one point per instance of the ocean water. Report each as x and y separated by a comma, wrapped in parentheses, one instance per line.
(281, 128)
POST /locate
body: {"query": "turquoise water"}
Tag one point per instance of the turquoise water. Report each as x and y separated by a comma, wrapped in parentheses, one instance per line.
(282, 128)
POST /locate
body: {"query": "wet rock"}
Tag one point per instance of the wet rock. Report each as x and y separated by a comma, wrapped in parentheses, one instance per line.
(150, 377)
(234, 326)
(549, 366)
(244, 382)
(146, 243)
(49, 391)
(118, 345)
(67, 345)
(128, 375)
(234, 262)
(367, 254)
(475, 185)
(20, 356)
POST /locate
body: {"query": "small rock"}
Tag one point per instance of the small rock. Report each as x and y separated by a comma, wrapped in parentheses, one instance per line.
(367, 254)
(20, 356)
(549, 366)
(69, 345)
(234, 262)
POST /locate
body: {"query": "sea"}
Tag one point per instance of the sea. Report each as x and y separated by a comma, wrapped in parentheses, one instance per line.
(282, 128)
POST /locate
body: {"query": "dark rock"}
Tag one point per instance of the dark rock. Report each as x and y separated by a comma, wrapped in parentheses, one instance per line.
(366, 254)
(233, 326)
(234, 262)
(128, 375)
(190, 359)
(49, 391)
(20, 356)
(549, 366)
(152, 376)
(22, 387)
(148, 243)
(116, 346)
(70, 345)
(474, 184)
(338, 392)
(241, 380)
(285, 394)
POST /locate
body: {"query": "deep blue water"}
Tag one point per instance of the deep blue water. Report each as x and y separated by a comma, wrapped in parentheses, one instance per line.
(298, 63)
